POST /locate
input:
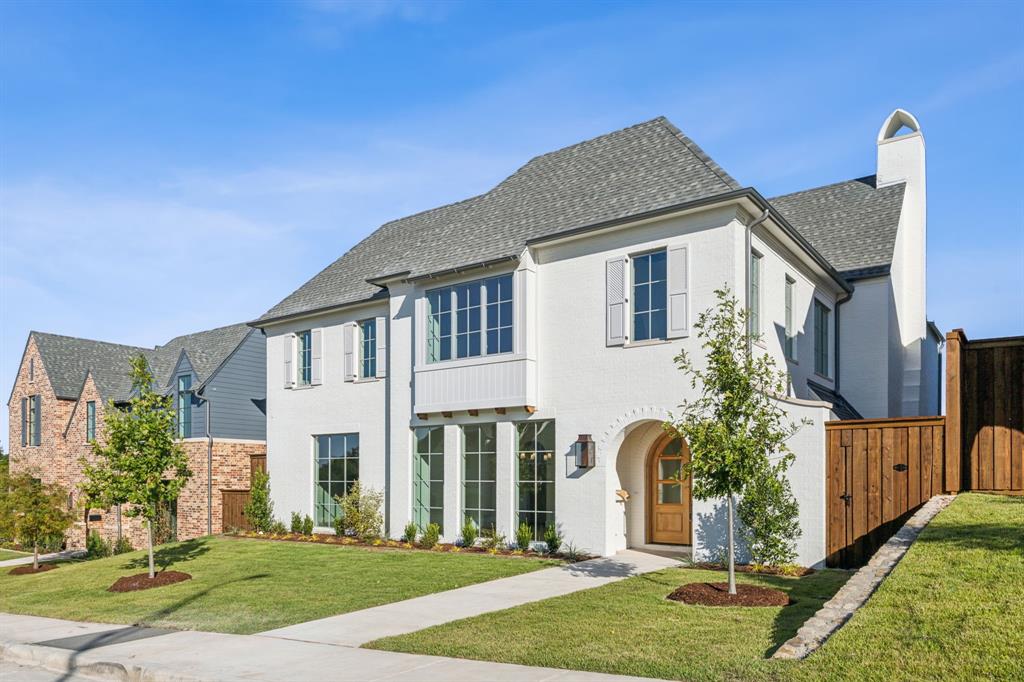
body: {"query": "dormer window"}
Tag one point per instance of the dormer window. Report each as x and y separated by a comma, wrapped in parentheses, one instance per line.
(185, 406)
(470, 319)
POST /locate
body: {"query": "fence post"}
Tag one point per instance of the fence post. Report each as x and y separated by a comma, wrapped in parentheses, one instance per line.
(954, 412)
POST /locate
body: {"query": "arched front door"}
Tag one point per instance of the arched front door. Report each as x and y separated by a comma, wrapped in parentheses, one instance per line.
(668, 493)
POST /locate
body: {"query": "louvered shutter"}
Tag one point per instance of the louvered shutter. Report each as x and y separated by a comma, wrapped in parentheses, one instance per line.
(317, 370)
(382, 347)
(678, 292)
(37, 420)
(349, 332)
(289, 360)
(24, 422)
(615, 283)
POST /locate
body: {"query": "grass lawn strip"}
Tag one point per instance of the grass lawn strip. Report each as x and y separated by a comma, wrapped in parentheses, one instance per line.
(246, 586)
(6, 554)
(952, 609)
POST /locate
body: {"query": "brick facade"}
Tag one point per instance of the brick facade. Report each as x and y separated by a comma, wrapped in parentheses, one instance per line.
(63, 444)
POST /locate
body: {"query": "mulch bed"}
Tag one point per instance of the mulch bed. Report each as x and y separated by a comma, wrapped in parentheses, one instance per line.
(142, 581)
(717, 594)
(789, 571)
(28, 570)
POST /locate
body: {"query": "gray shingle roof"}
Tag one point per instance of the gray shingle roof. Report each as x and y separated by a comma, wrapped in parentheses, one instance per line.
(645, 167)
(68, 359)
(852, 224)
(840, 405)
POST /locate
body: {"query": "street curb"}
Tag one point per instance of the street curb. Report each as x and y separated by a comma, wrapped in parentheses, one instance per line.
(64, 662)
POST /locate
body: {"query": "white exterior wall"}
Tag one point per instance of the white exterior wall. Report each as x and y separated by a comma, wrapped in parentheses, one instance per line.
(864, 353)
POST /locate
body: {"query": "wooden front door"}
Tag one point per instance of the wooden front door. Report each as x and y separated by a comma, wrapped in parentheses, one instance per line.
(668, 493)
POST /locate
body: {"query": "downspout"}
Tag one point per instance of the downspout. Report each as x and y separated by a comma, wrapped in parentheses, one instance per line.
(209, 465)
(746, 278)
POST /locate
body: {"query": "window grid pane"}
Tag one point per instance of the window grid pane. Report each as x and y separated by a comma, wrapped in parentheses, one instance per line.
(755, 294)
(790, 340)
(184, 407)
(649, 296)
(428, 477)
(90, 421)
(368, 329)
(479, 474)
(535, 480)
(481, 312)
(305, 369)
(336, 469)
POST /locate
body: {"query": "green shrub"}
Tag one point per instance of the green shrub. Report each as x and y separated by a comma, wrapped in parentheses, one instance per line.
(96, 547)
(492, 540)
(296, 522)
(430, 536)
(524, 536)
(411, 530)
(553, 539)
(260, 508)
(361, 514)
(307, 525)
(770, 518)
(123, 545)
(278, 527)
(469, 533)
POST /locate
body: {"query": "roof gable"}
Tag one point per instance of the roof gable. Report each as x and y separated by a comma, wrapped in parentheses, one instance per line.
(645, 167)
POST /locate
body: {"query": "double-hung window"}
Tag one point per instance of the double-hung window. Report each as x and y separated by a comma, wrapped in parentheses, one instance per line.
(428, 477)
(304, 369)
(470, 319)
(790, 328)
(479, 474)
(821, 338)
(90, 421)
(754, 314)
(650, 280)
(535, 476)
(185, 406)
(368, 348)
(337, 470)
(30, 420)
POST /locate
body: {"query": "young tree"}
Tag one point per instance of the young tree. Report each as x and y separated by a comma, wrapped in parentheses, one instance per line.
(138, 460)
(32, 512)
(735, 427)
(260, 508)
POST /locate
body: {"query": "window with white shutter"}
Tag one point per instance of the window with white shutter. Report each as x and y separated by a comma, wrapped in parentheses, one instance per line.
(349, 340)
(382, 347)
(317, 357)
(289, 360)
(615, 302)
(678, 292)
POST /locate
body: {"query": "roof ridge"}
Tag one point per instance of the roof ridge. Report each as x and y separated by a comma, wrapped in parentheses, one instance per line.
(82, 338)
(201, 331)
(698, 152)
(835, 184)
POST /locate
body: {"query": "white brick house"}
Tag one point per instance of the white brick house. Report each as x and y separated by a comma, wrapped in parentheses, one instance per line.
(453, 358)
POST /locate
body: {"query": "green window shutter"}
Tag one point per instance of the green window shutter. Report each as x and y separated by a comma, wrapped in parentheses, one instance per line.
(24, 422)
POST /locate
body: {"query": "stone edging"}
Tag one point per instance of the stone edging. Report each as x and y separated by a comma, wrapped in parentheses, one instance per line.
(840, 608)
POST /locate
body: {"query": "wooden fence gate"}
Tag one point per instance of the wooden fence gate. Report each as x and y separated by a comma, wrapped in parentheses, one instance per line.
(233, 501)
(879, 471)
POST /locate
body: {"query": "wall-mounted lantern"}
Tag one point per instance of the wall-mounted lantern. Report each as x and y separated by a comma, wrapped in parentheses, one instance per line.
(586, 450)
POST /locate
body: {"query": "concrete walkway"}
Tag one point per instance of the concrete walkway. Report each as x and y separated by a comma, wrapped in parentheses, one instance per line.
(359, 627)
(206, 656)
(43, 558)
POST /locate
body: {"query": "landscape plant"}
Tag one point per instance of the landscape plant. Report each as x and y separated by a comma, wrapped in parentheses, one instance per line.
(259, 510)
(96, 547)
(553, 539)
(32, 513)
(138, 460)
(361, 513)
(122, 545)
(524, 536)
(431, 536)
(307, 525)
(411, 531)
(492, 540)
(735, 428)
(296, 525)
(769, 517)
(469, 532)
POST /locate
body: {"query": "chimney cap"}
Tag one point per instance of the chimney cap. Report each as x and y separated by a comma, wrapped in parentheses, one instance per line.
(898, 119)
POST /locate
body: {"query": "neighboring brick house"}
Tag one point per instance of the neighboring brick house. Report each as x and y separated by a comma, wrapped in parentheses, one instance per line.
(65, 385)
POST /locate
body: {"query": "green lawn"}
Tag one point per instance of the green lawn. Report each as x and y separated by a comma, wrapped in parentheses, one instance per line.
(953, 608)
(246, 586)
(6, 554)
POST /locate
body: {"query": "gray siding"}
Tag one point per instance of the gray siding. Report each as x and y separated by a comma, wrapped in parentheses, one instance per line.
(239, 392)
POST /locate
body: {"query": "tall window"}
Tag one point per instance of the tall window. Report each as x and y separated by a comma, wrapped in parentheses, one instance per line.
(304, 373)
(428, 477)
(30, 420)
(790, 328)
(185, 406)
(479, 306)
(368, 334)
(649, 296)
(821, 322)
(535, 479)
(755, 294)
(90, 421)
(479, 473)
(337, 469)
(32, 369)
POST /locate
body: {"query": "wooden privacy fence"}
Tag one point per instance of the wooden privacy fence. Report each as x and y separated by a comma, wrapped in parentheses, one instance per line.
(878, 472)
(985, 411)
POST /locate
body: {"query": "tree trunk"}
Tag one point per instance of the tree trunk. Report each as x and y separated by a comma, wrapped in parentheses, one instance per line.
(35, 556)
(732, 550)
(149, 524)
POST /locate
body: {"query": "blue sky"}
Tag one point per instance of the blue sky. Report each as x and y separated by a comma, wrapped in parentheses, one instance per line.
(170, 167)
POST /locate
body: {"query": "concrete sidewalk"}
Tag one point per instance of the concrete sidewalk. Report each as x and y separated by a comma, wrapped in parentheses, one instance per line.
(195, 656)
(43, 558)
(359, 627)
